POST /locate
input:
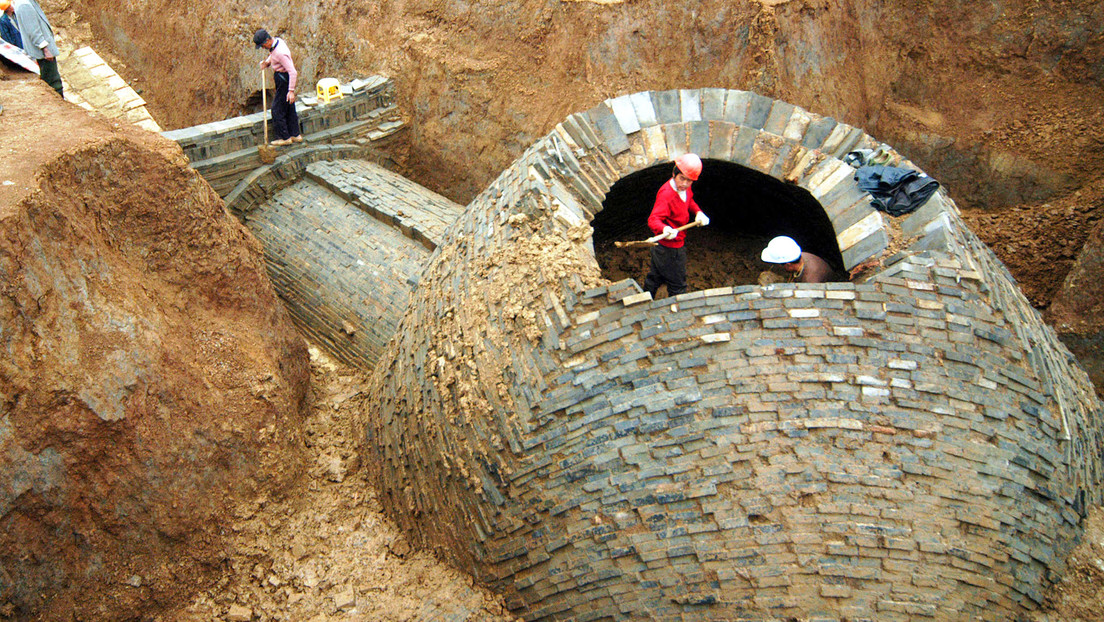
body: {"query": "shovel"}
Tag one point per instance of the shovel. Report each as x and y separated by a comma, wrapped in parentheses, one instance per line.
(652, 241)
(265, 151)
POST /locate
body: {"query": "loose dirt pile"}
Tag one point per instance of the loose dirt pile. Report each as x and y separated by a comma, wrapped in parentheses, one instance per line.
(1080, 595)
(326, 550)
(714, 259)
(1040, 242)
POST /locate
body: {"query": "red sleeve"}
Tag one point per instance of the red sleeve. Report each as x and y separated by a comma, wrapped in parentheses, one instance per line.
(660, 211)
(692, 205)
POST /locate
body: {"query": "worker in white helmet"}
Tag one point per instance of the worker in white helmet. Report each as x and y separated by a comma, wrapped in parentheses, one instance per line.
(674, 207)
(803, 267)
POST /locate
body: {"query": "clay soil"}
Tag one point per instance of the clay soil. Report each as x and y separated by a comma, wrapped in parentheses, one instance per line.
(1005, 111)
(714, 259)
(326, 550)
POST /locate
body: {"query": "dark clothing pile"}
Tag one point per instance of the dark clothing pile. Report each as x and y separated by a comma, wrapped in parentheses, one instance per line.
(896, 191)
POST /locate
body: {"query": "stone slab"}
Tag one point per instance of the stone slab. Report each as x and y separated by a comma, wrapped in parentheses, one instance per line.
(644, 109)
(690, 105)
(626, 114)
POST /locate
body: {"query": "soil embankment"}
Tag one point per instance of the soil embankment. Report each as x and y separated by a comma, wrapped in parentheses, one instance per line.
(150, 377)
(1000, 103)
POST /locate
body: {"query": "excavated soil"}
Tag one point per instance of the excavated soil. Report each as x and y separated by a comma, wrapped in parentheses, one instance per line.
(1079, 597)
(150, 375)
(714, 259)
(326, 551)
(1002, 106)
(1040, 242)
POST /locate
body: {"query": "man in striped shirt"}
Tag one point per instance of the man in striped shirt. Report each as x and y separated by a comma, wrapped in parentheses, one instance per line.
(284, 118)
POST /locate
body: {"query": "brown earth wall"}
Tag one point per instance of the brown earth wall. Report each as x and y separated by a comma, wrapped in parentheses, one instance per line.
(150, 379)
(993, 99)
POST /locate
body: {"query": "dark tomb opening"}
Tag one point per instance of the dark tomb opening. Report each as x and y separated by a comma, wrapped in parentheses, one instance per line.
(747, 208)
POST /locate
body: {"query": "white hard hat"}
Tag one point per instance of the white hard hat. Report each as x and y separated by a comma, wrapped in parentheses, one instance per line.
(781, 249)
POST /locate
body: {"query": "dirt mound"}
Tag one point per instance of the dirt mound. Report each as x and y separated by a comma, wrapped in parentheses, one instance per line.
(327, 549)
(715, 259)
(150, 378)
(1077, 312)
(1041, 240)
(1079, 597)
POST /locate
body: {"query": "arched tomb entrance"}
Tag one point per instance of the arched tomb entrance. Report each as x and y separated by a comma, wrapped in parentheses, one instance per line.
(746, 209)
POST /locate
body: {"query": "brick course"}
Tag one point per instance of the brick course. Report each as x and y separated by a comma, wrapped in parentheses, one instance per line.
(225, 152)
(914, 446)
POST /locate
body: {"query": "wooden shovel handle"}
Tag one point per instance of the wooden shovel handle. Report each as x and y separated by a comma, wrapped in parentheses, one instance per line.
(652, 241)
(689, 225)
(264, 105)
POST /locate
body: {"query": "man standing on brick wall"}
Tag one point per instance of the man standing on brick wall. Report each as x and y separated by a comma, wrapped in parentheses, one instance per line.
(673, 207)
(38, 38)
(284, 118)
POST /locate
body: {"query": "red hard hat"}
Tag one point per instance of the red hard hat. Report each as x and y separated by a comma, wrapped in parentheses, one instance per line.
(690, 165)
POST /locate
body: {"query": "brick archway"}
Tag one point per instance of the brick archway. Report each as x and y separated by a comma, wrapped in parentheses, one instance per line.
(622, 136)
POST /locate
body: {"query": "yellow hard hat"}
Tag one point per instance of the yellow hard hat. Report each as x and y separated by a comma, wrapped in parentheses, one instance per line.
(4, 4)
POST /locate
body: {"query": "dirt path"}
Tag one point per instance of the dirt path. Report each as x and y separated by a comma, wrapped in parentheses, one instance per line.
(327, 552)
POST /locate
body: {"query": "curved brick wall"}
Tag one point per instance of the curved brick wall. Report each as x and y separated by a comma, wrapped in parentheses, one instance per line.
(345, 241)
(918, 445)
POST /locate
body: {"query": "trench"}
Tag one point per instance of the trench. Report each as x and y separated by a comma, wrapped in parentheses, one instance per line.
(747, 208)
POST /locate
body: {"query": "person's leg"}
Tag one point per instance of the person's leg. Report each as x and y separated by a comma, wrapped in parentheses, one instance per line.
(280, 106)
(655, 275)
(292, 120)
(48, 71)
(676, 274)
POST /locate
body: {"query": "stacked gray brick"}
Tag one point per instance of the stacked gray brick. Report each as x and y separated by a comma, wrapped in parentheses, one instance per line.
(914, 446)
(345, 242)
(225, 152)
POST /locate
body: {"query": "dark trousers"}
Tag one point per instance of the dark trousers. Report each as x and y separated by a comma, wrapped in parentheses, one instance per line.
(668, 268)
(48, 71)
(284, 118)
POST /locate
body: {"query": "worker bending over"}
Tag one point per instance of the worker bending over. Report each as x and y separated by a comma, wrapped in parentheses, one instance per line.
(803, 267)
(284, 118)
(674, 205)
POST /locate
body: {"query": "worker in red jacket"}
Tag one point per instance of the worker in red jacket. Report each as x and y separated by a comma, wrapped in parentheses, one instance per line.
(674, 206)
